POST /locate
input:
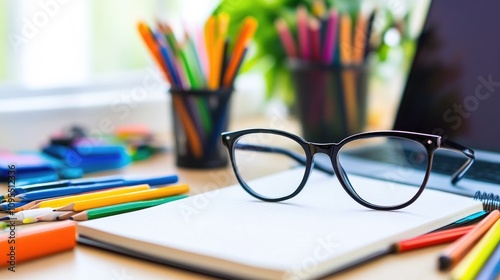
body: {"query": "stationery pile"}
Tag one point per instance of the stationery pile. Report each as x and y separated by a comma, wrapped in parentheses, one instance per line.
(84, 199)
(323, 34)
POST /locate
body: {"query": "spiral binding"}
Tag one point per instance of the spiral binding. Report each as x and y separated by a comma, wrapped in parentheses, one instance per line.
(490, 201)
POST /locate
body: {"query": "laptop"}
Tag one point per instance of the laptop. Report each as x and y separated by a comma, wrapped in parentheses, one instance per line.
(453, 90)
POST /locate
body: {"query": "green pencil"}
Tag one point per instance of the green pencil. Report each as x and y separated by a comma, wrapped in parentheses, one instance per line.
(122, 208)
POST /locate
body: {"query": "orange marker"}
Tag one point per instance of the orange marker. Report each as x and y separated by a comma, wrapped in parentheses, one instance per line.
(35, 242)
(457, 250)
(431, 239)
(358, 48)
(246, 33)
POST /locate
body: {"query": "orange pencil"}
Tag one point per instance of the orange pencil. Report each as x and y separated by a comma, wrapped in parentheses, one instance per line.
(246, 33)
(149, 40)
(36, 241)
(457, 250)
(431, 239)
(358, 49)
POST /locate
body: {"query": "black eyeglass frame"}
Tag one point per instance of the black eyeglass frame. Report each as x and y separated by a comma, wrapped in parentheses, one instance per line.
(430, 142)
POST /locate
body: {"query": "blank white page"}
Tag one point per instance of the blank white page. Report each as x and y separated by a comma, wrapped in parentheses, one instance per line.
(318, 231)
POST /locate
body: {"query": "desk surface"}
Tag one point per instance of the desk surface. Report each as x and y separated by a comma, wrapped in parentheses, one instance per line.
(91, 263)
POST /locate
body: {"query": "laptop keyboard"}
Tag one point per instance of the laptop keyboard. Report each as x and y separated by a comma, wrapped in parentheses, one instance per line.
(480, 170)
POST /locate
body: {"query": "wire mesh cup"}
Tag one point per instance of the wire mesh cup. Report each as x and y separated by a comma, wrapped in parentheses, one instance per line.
(331, 100)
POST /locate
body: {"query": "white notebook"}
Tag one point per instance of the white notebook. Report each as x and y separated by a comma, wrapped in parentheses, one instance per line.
(228, 232)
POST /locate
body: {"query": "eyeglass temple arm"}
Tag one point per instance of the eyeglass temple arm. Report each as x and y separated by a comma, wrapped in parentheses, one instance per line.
(297, 157)
(459, 174)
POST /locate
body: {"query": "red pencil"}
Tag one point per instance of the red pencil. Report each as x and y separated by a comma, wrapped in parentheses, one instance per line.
(430, 239)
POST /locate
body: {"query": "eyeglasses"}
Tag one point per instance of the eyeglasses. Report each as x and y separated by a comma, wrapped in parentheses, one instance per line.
(406, 156)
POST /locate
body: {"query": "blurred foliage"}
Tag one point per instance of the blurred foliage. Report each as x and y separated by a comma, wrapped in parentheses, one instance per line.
(269, 55)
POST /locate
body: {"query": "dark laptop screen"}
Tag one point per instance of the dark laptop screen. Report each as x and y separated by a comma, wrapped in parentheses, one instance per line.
(454, 85)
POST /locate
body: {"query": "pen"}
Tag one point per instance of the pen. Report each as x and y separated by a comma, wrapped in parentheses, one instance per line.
(49, 193)
(79, 182)
(457, 250)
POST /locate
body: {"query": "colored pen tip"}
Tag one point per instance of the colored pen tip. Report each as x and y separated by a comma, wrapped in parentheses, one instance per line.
(5, 218)
(2, 197)
(3, 225)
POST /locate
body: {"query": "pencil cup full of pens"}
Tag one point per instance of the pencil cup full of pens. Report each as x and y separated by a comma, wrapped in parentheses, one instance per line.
(201, 71)
(199, 117)
(327, 60)
(331, 100)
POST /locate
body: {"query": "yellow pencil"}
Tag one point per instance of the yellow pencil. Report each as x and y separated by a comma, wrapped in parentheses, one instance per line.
(475, 259)
(218, 50)
(123, 198)
(59, 202)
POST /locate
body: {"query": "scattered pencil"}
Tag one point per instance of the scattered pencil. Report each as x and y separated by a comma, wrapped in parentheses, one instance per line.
(52, 216)
(123, 198)
(122, 208)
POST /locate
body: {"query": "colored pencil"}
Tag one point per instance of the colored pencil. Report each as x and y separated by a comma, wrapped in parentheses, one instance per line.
(192, 135)
(491, 269)
(457, 250)
(318, 8)
(314, 30)
(122, 208)
(303, 34)
(360, 37)
(246, 33)
(21, 215)
(218, 51)
(149, 40)
(330, 37)
(477, 257)
(430, 239)
(348, 75)
(286, 37)
(52, 216)
(210, 27)
(123, 198)
(59, 202)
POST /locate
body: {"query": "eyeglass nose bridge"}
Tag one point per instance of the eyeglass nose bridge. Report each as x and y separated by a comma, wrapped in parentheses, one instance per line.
(324, 148)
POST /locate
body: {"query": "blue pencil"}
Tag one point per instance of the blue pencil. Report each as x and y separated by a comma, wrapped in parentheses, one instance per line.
(49, 193)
